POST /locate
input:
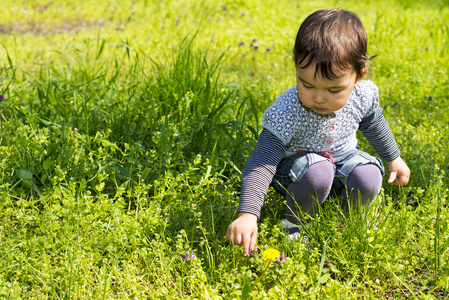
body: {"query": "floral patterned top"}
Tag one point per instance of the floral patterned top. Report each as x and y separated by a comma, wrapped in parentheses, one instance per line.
(301, 129)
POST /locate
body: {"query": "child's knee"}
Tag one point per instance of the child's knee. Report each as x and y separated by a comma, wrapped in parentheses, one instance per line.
(310, 191)
(364, 182)
(316, 182)
(320, 176)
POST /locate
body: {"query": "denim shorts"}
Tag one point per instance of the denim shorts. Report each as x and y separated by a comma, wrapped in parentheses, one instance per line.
(292, 168)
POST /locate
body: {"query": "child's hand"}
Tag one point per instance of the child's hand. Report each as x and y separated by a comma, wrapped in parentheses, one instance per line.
(243, 231)
(399, 172)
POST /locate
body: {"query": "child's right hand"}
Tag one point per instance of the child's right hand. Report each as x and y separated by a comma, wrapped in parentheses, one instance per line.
(243, 231)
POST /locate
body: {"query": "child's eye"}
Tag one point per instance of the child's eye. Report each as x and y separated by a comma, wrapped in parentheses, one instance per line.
(335, 92)
(306, 86)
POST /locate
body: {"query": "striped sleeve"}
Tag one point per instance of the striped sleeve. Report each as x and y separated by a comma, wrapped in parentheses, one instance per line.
(259, 171)
(376, 130)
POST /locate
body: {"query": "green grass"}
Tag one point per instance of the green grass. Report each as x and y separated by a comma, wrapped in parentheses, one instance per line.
(125, 127)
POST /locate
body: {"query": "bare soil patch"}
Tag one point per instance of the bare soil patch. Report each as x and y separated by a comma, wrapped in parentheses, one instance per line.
(35, 28)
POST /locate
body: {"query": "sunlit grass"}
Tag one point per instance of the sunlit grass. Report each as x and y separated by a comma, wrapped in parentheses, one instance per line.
(125, 128)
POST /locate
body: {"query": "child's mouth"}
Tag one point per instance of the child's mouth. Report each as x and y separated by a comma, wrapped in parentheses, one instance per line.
(320, 109)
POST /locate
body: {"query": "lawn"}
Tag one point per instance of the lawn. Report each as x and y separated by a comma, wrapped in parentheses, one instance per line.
(125, 127)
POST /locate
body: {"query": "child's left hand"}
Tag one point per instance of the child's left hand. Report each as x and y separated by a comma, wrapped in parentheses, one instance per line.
(399, 172)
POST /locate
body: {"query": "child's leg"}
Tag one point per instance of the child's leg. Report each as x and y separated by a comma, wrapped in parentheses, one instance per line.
(363, 185)
(313, 188)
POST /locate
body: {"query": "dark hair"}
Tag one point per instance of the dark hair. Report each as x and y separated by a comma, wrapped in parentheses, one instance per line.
(334, 40)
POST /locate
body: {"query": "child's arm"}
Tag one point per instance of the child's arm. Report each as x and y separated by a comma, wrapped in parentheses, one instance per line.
(243, 231)
(378, 133)
(399, 172)
(256, 178)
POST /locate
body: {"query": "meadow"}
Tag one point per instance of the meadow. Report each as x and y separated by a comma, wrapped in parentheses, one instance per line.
(125, 127)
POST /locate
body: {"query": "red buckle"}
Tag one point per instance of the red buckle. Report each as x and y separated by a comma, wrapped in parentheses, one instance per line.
(325, 154)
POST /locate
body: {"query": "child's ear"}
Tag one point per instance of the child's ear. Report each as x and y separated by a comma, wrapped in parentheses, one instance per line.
(364, 71)
(357, 81)
(359, 78)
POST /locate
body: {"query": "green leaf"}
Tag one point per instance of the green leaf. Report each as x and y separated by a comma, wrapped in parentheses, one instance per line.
(246, 285)
(324, 278)
(100, 49)
(26, 177)
(124, 171)
(145, 173)
(334, 269)
(47, 164)
(99, 187)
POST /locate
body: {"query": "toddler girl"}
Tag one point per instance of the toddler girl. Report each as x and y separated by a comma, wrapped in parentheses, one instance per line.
(308, 145)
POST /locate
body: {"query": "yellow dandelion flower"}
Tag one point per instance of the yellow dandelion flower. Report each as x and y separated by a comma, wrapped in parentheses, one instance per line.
(271, 254)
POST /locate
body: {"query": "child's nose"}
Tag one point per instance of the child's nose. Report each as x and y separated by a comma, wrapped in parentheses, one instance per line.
(319, 98)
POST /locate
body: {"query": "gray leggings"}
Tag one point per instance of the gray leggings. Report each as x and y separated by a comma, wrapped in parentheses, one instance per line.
(362, 186)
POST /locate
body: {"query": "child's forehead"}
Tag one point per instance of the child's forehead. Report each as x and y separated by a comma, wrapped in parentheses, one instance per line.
(312, 71)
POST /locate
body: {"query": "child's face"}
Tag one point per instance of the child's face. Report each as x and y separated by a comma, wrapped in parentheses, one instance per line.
(321, 95)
